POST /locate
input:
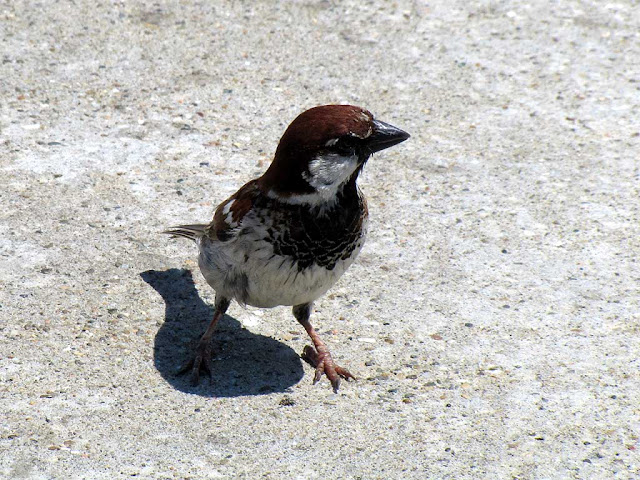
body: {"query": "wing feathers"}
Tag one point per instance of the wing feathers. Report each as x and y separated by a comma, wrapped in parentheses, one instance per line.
(192, 232)
(227, 220)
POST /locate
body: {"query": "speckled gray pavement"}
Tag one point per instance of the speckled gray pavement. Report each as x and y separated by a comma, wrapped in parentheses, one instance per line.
(492, 320)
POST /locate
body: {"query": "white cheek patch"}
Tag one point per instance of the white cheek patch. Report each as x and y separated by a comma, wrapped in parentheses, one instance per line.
(327, 172)
(227, 208)
(228, 214)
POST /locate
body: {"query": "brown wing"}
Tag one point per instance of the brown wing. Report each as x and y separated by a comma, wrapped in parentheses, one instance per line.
(228, 217)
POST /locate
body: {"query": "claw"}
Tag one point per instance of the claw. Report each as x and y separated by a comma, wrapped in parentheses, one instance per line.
(324, 364)
(335, 384)
(200, 361)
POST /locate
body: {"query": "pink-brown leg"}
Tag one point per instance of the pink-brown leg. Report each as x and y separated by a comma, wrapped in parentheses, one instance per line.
(203, 353)
(320, 357)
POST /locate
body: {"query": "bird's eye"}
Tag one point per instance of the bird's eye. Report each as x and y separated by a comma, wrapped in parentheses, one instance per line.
(345, 146)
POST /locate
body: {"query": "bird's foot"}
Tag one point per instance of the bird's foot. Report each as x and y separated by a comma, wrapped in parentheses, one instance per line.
(324, 364)
(201, 361)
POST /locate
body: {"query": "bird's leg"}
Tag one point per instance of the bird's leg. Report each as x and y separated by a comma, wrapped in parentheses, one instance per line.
(203, 353)
(319, 357)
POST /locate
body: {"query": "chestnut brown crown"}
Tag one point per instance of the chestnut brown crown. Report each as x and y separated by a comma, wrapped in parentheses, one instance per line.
(327, 132)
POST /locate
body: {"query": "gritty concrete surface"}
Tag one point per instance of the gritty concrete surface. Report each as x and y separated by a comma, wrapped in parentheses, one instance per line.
(492, 319)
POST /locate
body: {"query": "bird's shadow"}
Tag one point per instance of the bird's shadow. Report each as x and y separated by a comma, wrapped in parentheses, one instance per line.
(244, 363)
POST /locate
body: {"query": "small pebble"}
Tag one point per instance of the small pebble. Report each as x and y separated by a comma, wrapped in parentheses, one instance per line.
(287, 401)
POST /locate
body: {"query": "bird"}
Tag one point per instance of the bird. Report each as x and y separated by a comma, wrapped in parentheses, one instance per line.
(285, 238)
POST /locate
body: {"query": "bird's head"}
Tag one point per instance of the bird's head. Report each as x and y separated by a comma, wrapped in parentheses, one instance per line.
(322, 150)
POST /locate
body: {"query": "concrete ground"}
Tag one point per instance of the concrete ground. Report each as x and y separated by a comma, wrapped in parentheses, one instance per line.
(492, 320)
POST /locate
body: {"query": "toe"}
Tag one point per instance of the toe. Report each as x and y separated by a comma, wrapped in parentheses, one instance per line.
(320, 370)
(310, 356)
(344, 373)
(202, 360)
(187, 367)
(324, 365)
(335, 384)
(195, 371)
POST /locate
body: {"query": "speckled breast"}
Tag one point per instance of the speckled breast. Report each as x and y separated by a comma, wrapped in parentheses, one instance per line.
(297, 253)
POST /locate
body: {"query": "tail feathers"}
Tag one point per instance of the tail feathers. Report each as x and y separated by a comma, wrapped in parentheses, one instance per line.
(192, 232)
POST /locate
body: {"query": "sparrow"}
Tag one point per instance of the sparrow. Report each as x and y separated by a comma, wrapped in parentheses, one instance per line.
(287, 237)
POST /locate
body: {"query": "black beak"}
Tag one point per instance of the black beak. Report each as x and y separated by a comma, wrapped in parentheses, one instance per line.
(384, 136)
